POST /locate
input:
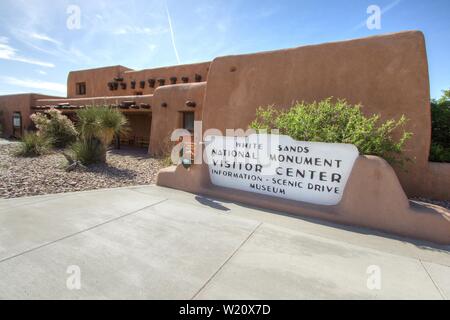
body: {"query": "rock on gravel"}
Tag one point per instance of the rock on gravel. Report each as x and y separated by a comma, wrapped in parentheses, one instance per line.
(21, 177)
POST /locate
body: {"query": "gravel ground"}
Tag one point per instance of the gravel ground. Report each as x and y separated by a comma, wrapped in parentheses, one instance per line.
(21, 177)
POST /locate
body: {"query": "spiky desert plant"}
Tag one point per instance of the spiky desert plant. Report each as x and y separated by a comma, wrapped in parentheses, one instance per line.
(97, 126)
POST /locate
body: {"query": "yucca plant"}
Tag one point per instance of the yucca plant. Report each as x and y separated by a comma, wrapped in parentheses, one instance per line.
(85, 152)
(97, 126)
(33, 145)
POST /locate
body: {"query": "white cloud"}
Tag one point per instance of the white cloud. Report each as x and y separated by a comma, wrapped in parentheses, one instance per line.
(9, 53)
(44, 37)
(41, 72)
(35, 84)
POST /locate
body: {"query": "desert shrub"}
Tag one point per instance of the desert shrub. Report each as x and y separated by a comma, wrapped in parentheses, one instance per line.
(440, 120)
(87, 151)
(337, 122)
(97, 126)
(33, 144)
(55, 126)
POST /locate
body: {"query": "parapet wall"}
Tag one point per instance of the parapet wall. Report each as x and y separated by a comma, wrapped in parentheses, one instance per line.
(97, 80)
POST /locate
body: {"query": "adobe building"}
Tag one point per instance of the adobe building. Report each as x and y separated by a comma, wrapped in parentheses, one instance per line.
(135, 93)
(387, 74)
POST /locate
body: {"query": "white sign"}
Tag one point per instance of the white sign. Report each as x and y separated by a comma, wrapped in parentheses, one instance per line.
(279, 166)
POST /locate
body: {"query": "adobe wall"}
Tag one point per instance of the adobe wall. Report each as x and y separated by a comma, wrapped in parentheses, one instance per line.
(179, 71)
(97, 79)
(166, 119)
(18, 103)
(387, 74)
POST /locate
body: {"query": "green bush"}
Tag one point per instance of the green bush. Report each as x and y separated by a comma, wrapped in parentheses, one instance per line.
(337, 122)
(87, 151)
(33, 145)
(55, 126)
(440, 119)
(97, 126)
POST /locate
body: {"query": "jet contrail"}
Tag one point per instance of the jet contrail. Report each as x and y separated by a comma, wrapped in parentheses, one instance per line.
(171, 34)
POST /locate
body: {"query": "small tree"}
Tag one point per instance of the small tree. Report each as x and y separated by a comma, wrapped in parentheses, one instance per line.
(336, 122)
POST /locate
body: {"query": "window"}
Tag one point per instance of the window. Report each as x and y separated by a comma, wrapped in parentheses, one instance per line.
(17, 120)
(81, 88)
(188, 121)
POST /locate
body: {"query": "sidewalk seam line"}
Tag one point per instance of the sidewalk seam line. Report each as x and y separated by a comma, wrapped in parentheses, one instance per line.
(81, 231)
(432, 280)
(226, 261)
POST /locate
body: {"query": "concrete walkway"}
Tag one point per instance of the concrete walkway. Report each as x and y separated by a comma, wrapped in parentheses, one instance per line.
(156, 243)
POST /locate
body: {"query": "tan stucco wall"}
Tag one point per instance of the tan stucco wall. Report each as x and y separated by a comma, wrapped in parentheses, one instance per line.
(387, 74)
(18, 103)
(97, 79)
(166, 119)
(179, 71)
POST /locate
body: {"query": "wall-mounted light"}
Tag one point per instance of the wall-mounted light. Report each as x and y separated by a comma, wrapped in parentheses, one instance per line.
(173, 80)
(190, 104)
(186, 162)
(151, 83)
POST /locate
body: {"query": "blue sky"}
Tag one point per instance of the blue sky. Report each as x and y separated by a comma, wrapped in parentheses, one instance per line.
(37, 49)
